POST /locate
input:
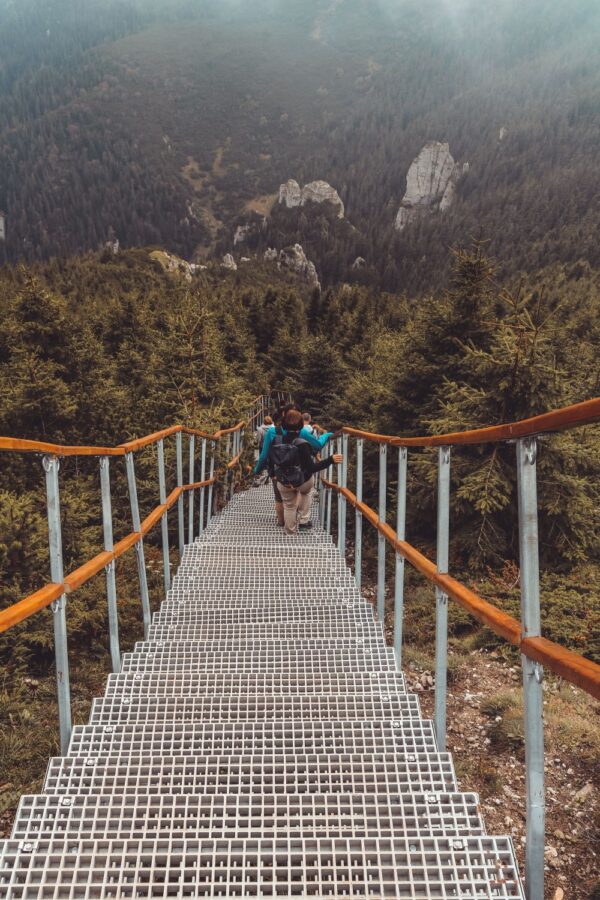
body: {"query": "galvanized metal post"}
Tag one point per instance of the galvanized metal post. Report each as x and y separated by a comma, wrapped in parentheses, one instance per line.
(209, 508)
(329, 502)
(180, 518)
(360, 446)
(226, 472)
(202, 490)
(400, 534)
(139, 547)
(340, 499)
(164, 522)
(111, 585)
(441, 599)
(191, 493)
(344, 519)
(532, 671)
(59, 613)
(381, 539)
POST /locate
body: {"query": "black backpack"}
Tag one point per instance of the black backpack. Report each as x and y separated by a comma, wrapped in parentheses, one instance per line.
(284, 456)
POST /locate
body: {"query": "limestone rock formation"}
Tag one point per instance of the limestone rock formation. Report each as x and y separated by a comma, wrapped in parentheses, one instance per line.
(241, 234)
(359, 263)
(174, 264)
(292, 195)
(295, 260)
(430, 183)
(271, 255)
(229, 262)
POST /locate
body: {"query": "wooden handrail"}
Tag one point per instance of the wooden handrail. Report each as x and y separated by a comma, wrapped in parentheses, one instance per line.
(46, 595)
(569, 665)
(579, 414)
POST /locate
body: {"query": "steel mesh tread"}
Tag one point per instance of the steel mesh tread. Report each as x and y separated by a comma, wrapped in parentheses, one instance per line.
(412, 740)
(246, 816)
(248, 634)
(236, 708)
(361, 867)
(368, 773)
(350, 660)
(176, 683)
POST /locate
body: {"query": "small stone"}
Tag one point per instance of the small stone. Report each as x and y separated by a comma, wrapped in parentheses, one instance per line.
(585, 792)
(550, 853)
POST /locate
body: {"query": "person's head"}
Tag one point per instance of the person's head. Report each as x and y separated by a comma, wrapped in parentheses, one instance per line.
(290, 406)
(293, 421)
(268, 420)
(307, 418)
(277, 417)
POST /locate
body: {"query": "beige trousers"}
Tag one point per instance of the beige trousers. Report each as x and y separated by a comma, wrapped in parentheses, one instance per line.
(296, 504)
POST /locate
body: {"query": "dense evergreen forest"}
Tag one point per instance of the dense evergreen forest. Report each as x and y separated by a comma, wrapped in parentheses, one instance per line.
(104, 347)
(171, 123)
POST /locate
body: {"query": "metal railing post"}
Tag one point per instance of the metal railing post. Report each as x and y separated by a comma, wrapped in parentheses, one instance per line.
(209, 507)
(338, 478)
(139, 547)
(180, 516)
(164, 522)
(59, 612)
(360, 446)
(226, 470)
(400, 535)
(111, 585)
(329, 504)
(441, 599)
(191, 493)
(202, 490)
(380, 537)
(343, 507)
(532, 671)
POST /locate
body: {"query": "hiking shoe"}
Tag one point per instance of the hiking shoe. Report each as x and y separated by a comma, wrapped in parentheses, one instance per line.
(305, 526)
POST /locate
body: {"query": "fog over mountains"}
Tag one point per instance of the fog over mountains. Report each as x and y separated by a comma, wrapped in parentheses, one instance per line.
(174, 123)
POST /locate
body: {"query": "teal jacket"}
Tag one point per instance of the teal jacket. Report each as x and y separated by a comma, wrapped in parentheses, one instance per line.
(317, 443)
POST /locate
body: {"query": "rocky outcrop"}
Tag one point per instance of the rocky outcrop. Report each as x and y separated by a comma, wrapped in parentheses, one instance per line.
(229, 262)
(430, 183)
(271, 255)
(292, 195)
(359, 263)
(241, 234)
(294, 259)
(174, 264)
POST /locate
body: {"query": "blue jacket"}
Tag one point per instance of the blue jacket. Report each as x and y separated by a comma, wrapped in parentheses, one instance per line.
(317, 443)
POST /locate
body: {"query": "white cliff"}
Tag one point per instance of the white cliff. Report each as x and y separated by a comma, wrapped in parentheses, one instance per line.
(292, 195)
(295, 260)
(229, 262)
(430, 183)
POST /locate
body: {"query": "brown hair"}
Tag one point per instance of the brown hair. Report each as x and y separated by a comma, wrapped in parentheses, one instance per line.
(293, 421)
(268, 420)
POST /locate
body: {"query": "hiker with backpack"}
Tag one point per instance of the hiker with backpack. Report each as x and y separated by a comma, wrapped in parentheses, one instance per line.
(293, 464)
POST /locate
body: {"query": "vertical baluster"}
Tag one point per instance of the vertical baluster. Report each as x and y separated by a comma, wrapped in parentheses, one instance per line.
(180, 515)
(400, 534)
(344, 519)
(340, 481)
(209, 507)
(360, 445)
(111, 586)
(191, 493)
(59, 612)
(202, 490)
(164, 522)
(441, 599)
(139, 547)
(533, 697)
(381, 538)
(329, 504)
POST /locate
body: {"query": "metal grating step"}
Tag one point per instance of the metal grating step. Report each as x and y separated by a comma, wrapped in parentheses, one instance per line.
(374, 773)
(233, 708)
(247, 816)
(279, 633)
(267, 683)
(409, 737)
(349, 660)
(387, 867)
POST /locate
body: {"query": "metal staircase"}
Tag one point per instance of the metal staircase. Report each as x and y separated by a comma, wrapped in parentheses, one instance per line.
(260, 743)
